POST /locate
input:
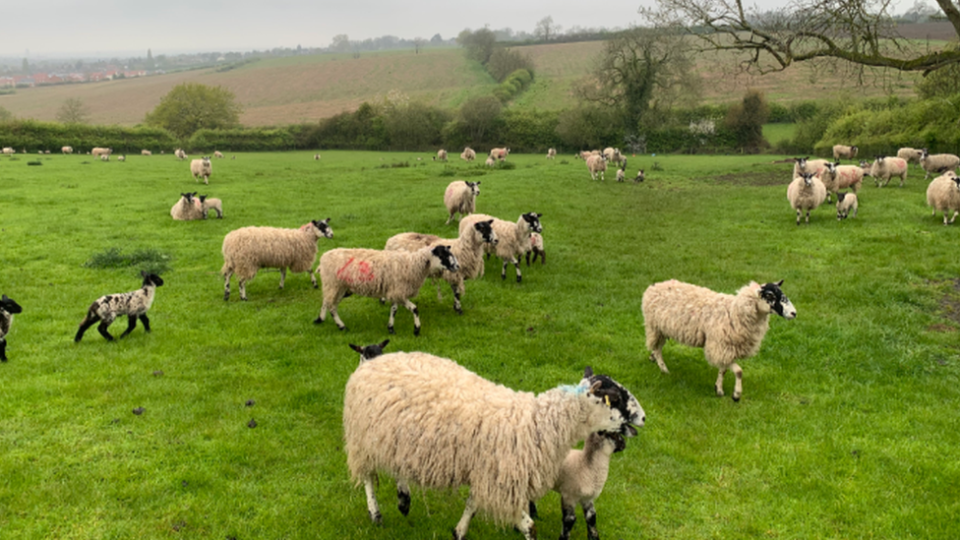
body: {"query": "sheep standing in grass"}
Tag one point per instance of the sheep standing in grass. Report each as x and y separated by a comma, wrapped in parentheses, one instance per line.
(249, 249)
(8, 308)
(441, 155)
(500, 154)
(885, 168)
(536, 248)
(490, 162)
(836, 177)
(146, 153)
(806, 193)
(910, 155)
(845, 203)
(727, 327)
(814, 166)
(468, 154)
(596, 164)
(316, 157)
(201, 168)
(132, 304)
(640, 177)
(207, 204)
(612, 154)
(551, 153)
(66, 150)
(181, 155)
(104, 157)
(426, 420)
(943, 194)
(513, 239)
(842, 151)
(187, 208)
(121, 158)
(218, 154)
(461, 197)
(98, 151)
(937, 162)
(622, 171)
(395, 276)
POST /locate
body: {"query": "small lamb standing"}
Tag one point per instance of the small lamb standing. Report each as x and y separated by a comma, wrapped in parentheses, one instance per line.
(842, 151)
(181, 155)
(207, 204)
(513, 239)
(551, 153)
(943, 194)
(461, 197)
(187, 208)
(536, 248)
(441, 155)
(806, 192)
(622, 171)
(369, 352)
(201, 168)
(885, 168)
(247, 250)
(121, 158)
(640, 177)
(395, 276)
(845, 203)
(468, 154)
(490, 162)
(596, 164)
(937, 162)
(836, 177)
(8, 308)
(132, 304)
(727, 327)
(316, 157)
(427, 420)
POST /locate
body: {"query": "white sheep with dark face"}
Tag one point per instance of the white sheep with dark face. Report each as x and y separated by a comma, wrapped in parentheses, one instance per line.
(943, 195)
(806, 193)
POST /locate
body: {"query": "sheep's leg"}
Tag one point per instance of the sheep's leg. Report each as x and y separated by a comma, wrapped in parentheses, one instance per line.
(954, 216)
(516, 264)
(393, 313)
(450, 218)
(655, 342)
(460, 532)
(569, 510)
(226, 286)
(590, 516)
(719, 385)
(3, 350)
(807, 219)
(528, 258)
(403, 497)
(527, 527)
(102, 328)
(313, 278)
(373, 509)
(416, 315)
(532, 510)
(503, 272)
(86, 323)
(242, 285)
(283, 275)
(799, 213)
(456, 299)
(738, 386)
(336, 316)
(132, 323)
(146, 322)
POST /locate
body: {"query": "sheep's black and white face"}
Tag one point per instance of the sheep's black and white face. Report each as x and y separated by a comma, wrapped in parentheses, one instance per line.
(616, 439)
(7, 304)
(474, 187)
(151, 279)
(323, 226)
(533, 221)
(956, 180)
(447, 260)
(807, 178)
(778, 301)
(485, 228)
(832, 167)
(370, 352)
(619, 399)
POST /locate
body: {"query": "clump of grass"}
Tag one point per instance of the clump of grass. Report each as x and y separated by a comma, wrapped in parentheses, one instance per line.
(448, 172)
(149, 260)
(34, 163)
(507, 165)
(395, 165)
(656, 166)
(564, 162)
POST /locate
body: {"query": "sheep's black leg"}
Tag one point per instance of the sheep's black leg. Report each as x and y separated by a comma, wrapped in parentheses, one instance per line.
(393, 314)
(590, 516)
(528, 258)
(146, 322)
(403, 498)
(102, 328)
(132, 324)
(87, 323)
(532, 510)
(516, 264)
(569, 518)
(3, 350)
(456, 299)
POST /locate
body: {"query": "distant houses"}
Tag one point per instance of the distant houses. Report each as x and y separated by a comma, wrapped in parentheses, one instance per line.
(43, 79)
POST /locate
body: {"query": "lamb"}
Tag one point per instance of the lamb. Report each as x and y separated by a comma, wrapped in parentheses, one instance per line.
(121, 158)
(910, 154)
(551, 153)
(427, 420)
(467, 249)
(885, 168)
(513, 238)
(806, 192)
(396, 276)
(727, 327)
(187, 208)
(845, 203)
(369, 352)
(596, 165)
(181, 155)
(441, 155)
(207, 204)
(622, 171)
(836, 177)
(316, 157)
(201, 168)
(943, 194)
(8, 308)
(639, 178)
(104, 157)
(536, 247)
(499, 153)
(936, 162)
(461, 197)
(490, 162)
(805, 164)
(218, 154)
(468, 154)
(249, 249)
(146, 152)
(98, 151)
(132, 304)
(585, 154)
(841, 151)
(66, 150)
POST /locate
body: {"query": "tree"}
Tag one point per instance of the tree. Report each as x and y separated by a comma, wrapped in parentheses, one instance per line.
(479, 115)
(505, 61)
(25, 67)
(5, 115)
(545, 29)
(192, 106)
(73, 111)
(477, 45)
(418, 43)
(944, 82)
(746, 120)
(340, 43)
(861, 32)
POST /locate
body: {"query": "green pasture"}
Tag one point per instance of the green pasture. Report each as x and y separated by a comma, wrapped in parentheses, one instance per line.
(848, 427)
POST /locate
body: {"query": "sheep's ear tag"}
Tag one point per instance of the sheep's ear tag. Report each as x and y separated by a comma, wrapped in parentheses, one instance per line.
(606, 399)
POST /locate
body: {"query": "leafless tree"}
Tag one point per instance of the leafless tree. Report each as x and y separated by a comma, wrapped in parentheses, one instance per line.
(545, 29)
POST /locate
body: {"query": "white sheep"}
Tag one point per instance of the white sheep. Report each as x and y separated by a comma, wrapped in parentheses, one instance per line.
(943, 194)
(187, 208)
(490, 162)
(8, 308)
(805, 164)
(499, 154)
(885, 168)
(910, 155)
(468, 154)
(249, 249)
(426, 420)
(842, 151)
(551, 153)
(640, 177)
(836, 177)
(395, 276)
(316, 157)
(8, 151)
(441, 155)
(201, 168)
(805, 193)
(845, 203)
(145, 152)
(612, 154)
(133, 304)
(937, 163)
(66, 150)
(461, 197)
(218, 154)
(121, 158)
(727, 327)
(181, 155)
(98, 151)
(207, 204)
(104, 157)
(596, 164)
(513, 239)
(622, 171)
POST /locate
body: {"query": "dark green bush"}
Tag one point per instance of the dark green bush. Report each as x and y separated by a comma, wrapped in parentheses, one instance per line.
(35, 136)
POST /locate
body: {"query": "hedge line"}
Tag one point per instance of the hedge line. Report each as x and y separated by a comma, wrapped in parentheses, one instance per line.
(38, 136)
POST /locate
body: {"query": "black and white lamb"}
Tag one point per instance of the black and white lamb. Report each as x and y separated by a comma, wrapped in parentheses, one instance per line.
(8, 308)
(132, 304)
(513, 239)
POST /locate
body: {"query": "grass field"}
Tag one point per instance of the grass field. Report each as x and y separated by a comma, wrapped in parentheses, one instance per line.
(848, 427)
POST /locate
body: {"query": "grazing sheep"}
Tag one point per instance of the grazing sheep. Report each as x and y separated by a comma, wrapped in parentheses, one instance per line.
(596, 164)
(101, 152)
(536, 248)
(513, 239)
(936, 162)
(369, 352)
(247, 250)
(187, 208)
(218, 154)
(441, 155)
(639, 178)
(836, 177)
(427, 420)
(468, 154)
(146, 152)
(845, 203)
(8, 308)
(885, 168)
(316, 157)
(910, 155)
(104, 157)
(612, 154)
(551, 153)
(805, 164)
(121, 158)
(8, 151)
(490, 162)
(943, 194)
(181, 155)
(461, 197)
(622, 171)
(841, 151)
(395, 276)
(499, 154)
(132, 304)
(806, 192)
(211, 204)
(201, 168)
(66, 150)
(467, 248)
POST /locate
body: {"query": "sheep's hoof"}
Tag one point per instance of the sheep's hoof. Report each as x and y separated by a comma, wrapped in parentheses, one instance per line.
(404, 504)
(390, 330)
(416, 330)
(736, 398)
(519, 278)
(244, 298)
(458, 310)
(342, 328)
(376, 518)
(318, 320)
(226, 297)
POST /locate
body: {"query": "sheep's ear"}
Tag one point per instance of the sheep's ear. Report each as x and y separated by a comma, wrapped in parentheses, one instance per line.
(356, 348)
(384, 344)
(539, 216)
(478, 182)
(588, 372)
(326, 220)
(4, 298)
(780, 283)
(595, 388)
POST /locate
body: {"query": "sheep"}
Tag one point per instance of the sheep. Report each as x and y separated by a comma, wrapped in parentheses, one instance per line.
(8, 151)
(369, 352)
(622, 171)
(468, 154)
(201, 168)
(249, 249)
(98, 151)
(316, 157)
(461, 197)
(845, 203)
(513, 239)
(207, 204)
(551, 153)
(132, 304)
(596, 164)
(490, 162)
(427, 420)
(639, 178)
(841, 151)
(441, 155)
(943, 194)
(935, 162)
(66, 150)
(910, 154)
(180, 154)
(104, 157)
(396, 276)
(467, 248)
(536, 248)
(8, 308)
(805, 164)
(146, 152)
(836, 177)
(121, 158)
(187, 208)
(885, 168)
(612, 154)
(727, 327)
(806, 192)
(218, 154)
(499, 154)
